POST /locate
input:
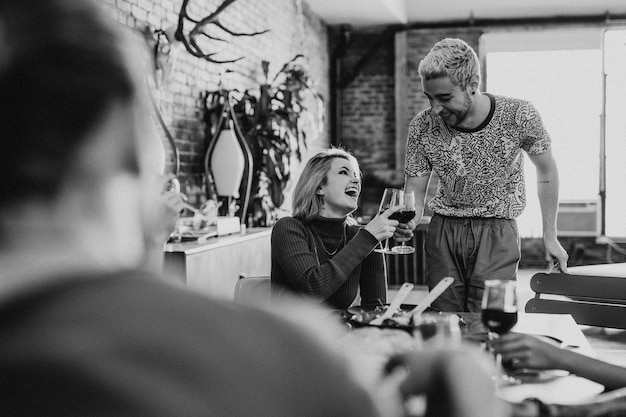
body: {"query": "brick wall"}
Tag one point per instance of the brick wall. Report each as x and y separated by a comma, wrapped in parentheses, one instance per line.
(368, 110)
(293, 29)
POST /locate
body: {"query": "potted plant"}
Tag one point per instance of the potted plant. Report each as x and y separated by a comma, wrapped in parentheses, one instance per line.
(271, 119)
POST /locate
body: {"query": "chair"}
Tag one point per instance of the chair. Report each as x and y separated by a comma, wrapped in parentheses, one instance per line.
(590, 299)
(256, 290)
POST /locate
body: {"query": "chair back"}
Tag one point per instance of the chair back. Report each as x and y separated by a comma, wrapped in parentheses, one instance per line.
(591, 300)
(254, 290)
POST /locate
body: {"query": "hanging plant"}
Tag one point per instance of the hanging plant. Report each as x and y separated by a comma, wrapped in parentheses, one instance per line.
(275, 114)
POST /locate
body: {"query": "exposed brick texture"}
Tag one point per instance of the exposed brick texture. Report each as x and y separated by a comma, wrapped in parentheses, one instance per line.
(293, 29)
(368, 108)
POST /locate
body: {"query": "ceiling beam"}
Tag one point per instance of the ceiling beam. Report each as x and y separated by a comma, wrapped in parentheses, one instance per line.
(521, 21)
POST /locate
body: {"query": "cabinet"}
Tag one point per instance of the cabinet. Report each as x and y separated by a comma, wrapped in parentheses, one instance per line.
(213, 267)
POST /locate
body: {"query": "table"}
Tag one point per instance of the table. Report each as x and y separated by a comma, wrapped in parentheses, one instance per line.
(605, 270)
(561, 389)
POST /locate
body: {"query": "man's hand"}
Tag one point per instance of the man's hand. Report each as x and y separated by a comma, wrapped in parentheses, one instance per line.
(404, 231)
(556, 256)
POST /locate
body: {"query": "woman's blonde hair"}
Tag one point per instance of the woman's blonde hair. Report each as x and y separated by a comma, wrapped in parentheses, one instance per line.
(306, 202)
(452, 58)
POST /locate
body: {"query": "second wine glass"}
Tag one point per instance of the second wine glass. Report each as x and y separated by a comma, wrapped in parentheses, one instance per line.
(406, 199)
(389, 199)
(499, 315)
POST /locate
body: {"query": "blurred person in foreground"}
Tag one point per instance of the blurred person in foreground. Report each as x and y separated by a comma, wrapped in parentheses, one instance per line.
(473, 141)
(85, 331)
(320, 252)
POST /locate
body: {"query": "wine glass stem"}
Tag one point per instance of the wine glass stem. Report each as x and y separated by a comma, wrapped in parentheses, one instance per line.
(498, 358)
(502, 377)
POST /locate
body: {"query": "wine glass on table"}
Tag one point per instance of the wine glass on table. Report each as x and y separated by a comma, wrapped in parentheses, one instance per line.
(499, 315)
(389, 199)
(406, 199)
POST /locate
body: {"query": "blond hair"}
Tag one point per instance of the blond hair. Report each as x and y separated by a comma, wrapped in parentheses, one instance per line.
(452, 58)
(306, 202)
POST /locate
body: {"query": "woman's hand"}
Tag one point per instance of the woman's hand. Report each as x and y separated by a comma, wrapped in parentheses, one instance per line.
(527, 351)
(381, 226)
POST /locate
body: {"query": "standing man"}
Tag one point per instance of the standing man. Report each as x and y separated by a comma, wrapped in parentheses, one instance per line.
(473, 141)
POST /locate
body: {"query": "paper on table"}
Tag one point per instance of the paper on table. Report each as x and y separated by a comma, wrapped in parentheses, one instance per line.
(559, 326)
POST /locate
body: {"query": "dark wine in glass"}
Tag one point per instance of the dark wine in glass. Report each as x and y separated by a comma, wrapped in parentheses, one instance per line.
(407, 199)
(499, 321)
(499, 305)
(403, 216)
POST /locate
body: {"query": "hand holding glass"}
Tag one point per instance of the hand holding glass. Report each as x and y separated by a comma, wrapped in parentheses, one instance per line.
(406, 199)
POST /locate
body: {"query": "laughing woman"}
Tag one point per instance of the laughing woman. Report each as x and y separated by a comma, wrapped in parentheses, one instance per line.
(320, 252)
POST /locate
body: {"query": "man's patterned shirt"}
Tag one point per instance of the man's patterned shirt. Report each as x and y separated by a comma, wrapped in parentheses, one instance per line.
(481, 171)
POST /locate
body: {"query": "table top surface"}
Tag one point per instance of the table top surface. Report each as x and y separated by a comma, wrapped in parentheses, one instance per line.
(605, 270)
(555, 387)
(198, 246)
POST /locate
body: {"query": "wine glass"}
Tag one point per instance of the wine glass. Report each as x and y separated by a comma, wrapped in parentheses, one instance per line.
(406, 199)
(390, 199)
(499, 315)
(438, 329)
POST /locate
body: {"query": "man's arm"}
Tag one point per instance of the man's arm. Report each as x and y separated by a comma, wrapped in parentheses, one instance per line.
(548, 193)
(419, 185)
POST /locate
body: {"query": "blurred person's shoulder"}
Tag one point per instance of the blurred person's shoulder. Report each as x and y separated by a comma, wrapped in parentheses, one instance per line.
(150, 333)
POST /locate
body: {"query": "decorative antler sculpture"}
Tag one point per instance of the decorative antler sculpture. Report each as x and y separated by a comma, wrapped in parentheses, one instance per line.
(191, 39)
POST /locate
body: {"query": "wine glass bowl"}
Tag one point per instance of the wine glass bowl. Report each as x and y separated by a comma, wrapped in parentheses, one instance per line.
(407, 200)
(499, 306)
(389, 199)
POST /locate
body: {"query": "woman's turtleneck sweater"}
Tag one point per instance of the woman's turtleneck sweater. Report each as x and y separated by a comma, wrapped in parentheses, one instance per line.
(327, 260)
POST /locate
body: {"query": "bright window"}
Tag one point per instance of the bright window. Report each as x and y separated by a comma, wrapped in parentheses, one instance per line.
(561, 74)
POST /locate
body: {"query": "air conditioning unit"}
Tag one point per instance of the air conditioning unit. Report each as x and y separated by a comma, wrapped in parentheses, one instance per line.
(579, 218)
